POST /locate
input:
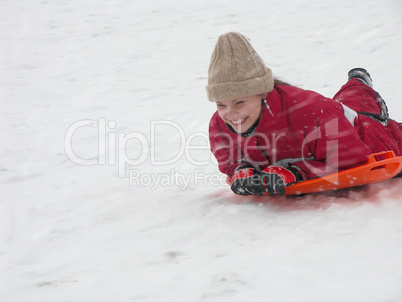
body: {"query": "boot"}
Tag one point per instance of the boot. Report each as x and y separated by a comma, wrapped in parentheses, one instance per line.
(364, 77)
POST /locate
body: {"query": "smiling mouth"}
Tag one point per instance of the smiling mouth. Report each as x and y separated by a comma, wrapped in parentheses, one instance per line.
(238, 121)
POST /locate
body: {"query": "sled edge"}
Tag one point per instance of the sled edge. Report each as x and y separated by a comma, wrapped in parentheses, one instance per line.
(373, 171)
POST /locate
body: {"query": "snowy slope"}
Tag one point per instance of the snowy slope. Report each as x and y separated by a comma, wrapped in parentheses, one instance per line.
(108, 190)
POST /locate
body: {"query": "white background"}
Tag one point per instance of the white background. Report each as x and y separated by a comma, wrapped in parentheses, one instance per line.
(71, 232)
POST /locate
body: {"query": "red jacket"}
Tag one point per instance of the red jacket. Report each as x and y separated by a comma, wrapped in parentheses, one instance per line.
(303, 129)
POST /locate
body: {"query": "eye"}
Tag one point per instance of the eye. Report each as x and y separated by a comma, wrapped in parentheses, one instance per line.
(220, 105)
(239, 102)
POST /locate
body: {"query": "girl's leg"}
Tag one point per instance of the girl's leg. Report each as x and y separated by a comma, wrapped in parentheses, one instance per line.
(359, 97)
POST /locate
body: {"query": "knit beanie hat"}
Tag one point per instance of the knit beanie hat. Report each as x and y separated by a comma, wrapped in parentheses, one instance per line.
(236, 70)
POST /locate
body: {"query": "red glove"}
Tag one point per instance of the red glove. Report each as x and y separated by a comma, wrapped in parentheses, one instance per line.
(275, 179)
(246, 181)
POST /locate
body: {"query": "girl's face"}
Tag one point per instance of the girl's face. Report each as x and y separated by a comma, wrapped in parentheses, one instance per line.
(240, 113)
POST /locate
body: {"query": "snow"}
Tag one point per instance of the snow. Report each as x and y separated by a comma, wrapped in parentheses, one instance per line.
(109, 191)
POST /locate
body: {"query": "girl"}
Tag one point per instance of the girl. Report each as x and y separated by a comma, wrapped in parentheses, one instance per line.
(267, 134)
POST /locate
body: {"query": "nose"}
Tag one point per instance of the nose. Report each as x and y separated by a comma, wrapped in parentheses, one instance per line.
(231, 113)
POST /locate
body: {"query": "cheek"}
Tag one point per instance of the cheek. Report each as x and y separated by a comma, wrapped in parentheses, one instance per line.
(258, 108)
(257, 112)
(254, 111)
(221, 114)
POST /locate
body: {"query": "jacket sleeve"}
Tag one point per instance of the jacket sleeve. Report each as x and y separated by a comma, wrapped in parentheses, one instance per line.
(224, 147)
(331, 145)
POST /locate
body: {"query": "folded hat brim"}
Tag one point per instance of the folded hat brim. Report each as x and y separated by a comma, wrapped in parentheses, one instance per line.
(234, 90)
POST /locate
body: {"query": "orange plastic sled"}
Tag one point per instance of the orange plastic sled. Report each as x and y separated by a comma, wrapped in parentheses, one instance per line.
(379, 167)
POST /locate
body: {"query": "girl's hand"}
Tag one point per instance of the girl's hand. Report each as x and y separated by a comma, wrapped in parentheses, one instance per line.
(246, 181)
(275, 179)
